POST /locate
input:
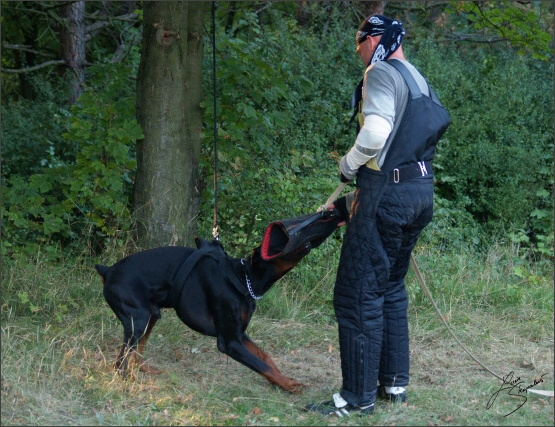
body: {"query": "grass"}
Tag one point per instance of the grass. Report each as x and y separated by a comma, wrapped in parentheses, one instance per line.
(59, 340)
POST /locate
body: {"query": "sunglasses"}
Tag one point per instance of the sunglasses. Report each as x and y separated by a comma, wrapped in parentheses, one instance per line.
(361, 37)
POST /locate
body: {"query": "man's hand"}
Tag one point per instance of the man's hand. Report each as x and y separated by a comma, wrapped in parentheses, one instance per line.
(341, 205)
(340, 224)
(343, 178)
(347, 174)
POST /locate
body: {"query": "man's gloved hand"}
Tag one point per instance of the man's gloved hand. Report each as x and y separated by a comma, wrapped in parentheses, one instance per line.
(343, 178)
(341, 205)
(347, 174)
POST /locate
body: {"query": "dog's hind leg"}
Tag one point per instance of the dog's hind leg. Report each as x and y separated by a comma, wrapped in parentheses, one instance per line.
(132, 328)
(139, 353)
(132, 351)
(126, 354)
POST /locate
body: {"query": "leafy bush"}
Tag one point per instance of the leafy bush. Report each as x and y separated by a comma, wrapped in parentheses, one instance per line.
(31, 131)
(283, 96)
(497, 154)
(283, 125)
(89, 194)
(279, 123)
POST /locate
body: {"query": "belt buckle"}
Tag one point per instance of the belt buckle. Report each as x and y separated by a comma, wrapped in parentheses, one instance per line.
(396, 176)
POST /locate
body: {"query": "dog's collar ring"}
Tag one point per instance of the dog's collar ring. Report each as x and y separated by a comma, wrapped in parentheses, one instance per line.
(249, 287)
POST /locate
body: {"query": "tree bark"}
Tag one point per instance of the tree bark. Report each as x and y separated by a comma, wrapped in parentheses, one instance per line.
(72, 42)
(169, 92)
(374, 7)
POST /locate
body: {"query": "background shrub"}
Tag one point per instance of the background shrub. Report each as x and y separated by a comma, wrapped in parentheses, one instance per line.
(283, 94)
(80, 197)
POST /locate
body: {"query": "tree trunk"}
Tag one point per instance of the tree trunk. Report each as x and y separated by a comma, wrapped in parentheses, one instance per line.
(169, 92)
(72, 42)
(374, 7)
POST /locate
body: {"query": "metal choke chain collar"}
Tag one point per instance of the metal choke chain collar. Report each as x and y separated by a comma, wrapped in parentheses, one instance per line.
(249, 287)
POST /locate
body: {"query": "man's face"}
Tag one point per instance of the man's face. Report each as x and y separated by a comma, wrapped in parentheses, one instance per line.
(365, 49)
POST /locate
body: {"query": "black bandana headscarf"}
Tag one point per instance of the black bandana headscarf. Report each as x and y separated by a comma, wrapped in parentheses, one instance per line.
(392, 33)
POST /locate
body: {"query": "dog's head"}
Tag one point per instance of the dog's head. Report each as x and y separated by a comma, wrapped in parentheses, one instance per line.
(288, 238)
(286, 243)
(266, 273)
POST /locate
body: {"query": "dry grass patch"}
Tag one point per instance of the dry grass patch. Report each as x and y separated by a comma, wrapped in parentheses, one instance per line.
(69, 379)
(57, 362)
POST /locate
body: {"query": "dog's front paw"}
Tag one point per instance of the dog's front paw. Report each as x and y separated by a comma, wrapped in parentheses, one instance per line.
(296, 388)
(150, 370)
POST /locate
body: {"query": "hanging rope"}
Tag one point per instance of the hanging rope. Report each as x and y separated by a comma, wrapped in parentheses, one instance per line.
(429, 295)
(215, 233)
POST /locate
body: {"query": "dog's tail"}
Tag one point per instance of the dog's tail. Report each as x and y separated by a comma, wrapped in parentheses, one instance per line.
(102, 270)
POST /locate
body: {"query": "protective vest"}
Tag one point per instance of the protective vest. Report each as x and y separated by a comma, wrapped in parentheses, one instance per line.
(423, 123)
(414, 143)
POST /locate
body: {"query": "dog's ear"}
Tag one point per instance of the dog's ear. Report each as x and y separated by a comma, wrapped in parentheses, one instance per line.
(214, 244)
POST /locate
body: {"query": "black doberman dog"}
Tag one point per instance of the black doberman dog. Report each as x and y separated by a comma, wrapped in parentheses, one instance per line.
(212, 293)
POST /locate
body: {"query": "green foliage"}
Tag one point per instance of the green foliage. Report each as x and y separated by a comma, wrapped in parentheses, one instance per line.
(88, 194)
(493, 277)
(496, 158)
(37, 288)
(21, 26)
(279, 119)
(31, 130)
(64, 350)
(283, 92)
(24, 299)
(497, 150)
(519, 23)
(452, 225)
(104, 126)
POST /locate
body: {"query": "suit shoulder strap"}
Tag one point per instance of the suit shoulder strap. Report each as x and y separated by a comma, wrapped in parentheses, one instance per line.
(413, 86)
(411, 83)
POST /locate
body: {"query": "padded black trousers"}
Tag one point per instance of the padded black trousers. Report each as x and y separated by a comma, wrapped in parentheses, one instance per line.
(370, 298)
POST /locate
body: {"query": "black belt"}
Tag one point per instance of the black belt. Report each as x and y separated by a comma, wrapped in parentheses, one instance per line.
(413, 170)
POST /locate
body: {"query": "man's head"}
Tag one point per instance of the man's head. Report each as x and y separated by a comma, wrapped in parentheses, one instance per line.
(378, 37)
